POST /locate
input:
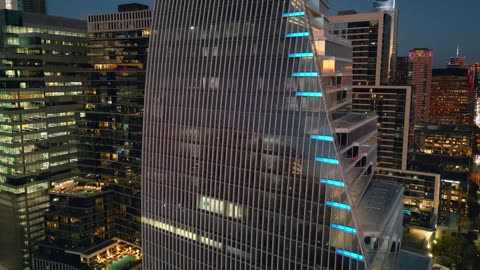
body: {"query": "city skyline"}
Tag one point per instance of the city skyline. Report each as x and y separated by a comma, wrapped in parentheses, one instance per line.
(272, 134)
(420, 32)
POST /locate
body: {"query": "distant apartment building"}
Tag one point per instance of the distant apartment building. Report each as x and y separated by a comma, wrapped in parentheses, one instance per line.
(44, 61)
(370, 34)
(420, 77)
(402, 70)
(392, 104)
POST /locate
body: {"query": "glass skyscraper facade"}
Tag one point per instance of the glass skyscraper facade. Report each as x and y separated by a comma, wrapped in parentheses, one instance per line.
(43, 60)
(251, 156)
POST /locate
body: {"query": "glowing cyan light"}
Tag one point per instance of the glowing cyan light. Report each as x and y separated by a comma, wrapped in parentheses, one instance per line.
(309, 94)
(294, 14)
(305, 74)
(344, 228)
(297, 34)
(332, 182)
(327, 160)
(322, 138)
(338, 205)
(296, 55)
(350, 254)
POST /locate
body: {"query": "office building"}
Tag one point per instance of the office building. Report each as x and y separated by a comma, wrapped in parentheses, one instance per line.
(392, 104)
(43, 63)
(420, 77)
(452, 99)
(446, 150)
(388, 6)
(249, 146)
(111, 133)
(370, 34)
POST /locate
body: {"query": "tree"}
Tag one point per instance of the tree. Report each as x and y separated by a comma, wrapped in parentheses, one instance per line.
(448, 251)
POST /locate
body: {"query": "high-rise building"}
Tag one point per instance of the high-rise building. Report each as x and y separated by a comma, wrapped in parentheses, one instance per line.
(402, 70)
(103, 202)
(392, 104)
(388, 6)
(111, 133)
(420, 77)
(43, 62)
(446, 150)
(251, 157)
(35, 6)
(452, 99)
(80, 230)
(370, 34)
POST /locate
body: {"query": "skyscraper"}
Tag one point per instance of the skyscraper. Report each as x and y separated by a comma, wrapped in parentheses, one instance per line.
(251, 158)
(420, 77)
(388, 6)
(43, 62)
(370, 36)
(111, 133)
(103, 202)
(35, 6)
(392, 104)
(452, 99)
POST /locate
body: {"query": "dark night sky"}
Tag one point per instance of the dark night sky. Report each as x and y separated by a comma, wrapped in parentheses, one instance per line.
(439, 25)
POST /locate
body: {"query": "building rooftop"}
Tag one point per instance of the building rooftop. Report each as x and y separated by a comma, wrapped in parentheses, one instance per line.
(77, 189)
(450, 72)
(378, 205)
(352, 121)
(131, 7)
(443, 128)
(411, 261)
(111, 254)
(347, 12)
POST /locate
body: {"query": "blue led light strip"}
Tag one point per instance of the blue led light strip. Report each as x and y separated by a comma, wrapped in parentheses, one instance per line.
(349, 254)
(309, 94)
(294, 14)
(297, 34)
(327, 160)
(344, 228)
(322, 138)
(296, 55)
(338, 205)
(305, 74)
(332, 182)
